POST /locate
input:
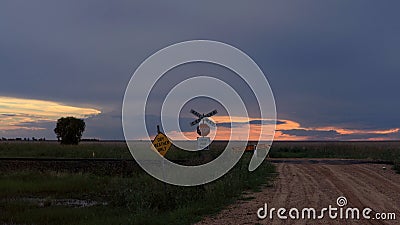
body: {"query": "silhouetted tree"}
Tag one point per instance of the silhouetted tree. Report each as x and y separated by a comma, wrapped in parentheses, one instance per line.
(69, 130)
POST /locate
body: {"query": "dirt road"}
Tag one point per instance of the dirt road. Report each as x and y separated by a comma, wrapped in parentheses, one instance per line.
(318, 184)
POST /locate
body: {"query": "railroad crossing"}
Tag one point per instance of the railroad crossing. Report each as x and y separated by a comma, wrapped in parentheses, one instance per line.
(203, 129)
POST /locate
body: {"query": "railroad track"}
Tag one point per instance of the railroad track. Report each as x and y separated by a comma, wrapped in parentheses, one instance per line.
(332, 161)
(328, 161)
(65, 159)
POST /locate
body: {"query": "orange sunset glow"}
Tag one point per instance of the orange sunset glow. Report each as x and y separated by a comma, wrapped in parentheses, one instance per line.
(240, 132)
(25, 114)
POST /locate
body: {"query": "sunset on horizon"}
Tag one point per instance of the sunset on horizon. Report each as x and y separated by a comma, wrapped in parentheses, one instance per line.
(21, 116)
(199, 112)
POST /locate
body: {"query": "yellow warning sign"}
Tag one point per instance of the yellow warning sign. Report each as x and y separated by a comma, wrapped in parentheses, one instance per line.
(161, 143)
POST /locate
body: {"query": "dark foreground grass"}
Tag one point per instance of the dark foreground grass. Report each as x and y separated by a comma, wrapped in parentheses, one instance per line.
(136, 199)
(139, 198)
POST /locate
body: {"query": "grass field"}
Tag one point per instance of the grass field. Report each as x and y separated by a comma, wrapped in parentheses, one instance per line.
(31, 196)
(35, 196)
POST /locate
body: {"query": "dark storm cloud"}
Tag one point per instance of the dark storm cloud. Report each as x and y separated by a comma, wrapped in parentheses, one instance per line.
(251, 122)
(152, 122)
(313, 134)
(7, 115)
(266, 122)
(329, 63)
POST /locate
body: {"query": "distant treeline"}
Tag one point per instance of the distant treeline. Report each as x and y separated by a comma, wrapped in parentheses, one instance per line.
(90, 139)
(23, 139)
(42, 139)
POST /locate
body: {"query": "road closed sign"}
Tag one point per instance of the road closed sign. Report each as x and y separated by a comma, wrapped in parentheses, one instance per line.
(161, 143)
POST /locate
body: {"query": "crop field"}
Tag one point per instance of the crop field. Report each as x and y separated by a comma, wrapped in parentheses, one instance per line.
(100, 191)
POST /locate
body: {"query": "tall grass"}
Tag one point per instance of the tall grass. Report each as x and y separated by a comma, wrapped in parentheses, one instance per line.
(136, 199)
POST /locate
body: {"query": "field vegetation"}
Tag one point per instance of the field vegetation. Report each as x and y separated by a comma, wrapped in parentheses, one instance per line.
(33, 195)
(91, 192)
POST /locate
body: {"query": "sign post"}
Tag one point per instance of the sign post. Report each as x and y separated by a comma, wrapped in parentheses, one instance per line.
(161, 144)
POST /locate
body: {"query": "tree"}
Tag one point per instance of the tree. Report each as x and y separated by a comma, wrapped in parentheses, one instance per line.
(69, 130)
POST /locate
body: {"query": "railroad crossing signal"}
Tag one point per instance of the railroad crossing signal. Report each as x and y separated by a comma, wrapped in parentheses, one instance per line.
(203, 129)
(203, 116)
(209, 122)
(196, 113)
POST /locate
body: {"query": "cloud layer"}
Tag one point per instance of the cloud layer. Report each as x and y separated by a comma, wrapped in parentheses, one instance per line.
(30, 114)
(331, 64)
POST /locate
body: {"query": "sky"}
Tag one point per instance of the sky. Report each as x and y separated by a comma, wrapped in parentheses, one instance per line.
(333, 66)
